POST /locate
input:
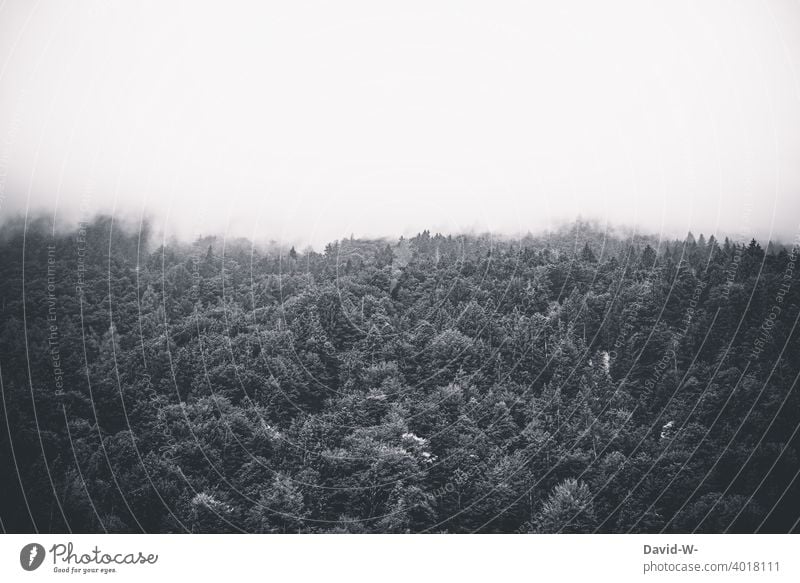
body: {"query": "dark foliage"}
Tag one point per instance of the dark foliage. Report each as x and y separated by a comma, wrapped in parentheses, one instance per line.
(572, 383)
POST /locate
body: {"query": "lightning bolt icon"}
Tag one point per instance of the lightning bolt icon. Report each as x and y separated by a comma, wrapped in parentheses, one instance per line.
(34, 552)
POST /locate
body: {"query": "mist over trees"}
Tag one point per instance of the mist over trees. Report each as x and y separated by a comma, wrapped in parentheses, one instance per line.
(574, 382)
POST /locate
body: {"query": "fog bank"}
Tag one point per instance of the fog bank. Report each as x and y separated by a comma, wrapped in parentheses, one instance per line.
(311, 121)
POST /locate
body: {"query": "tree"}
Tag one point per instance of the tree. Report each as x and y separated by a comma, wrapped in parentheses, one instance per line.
(587, 254)
(568, 509)
(280, 508)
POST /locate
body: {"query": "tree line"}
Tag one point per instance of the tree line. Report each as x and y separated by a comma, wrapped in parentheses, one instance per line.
(575, 381)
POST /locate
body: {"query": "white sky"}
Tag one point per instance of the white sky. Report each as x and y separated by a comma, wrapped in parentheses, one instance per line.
(311, 120)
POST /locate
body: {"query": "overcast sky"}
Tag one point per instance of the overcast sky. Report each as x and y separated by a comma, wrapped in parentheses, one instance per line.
(312, 120)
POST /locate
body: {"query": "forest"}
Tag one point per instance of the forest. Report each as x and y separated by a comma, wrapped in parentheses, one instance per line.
(576, 381)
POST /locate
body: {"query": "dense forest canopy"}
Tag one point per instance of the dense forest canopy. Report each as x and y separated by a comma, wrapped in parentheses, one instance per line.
(573, 382)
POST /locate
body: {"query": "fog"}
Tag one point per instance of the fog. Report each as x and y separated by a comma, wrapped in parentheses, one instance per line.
(309, 121)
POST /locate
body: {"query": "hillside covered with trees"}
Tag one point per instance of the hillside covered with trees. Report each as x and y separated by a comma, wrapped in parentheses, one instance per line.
(572, 382)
